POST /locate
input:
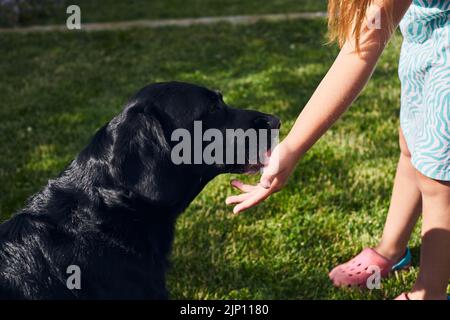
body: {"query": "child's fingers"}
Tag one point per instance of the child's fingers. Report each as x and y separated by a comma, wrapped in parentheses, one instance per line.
(255, 199)
(242, 186)
(237, 199)
(269, 174)
(266, 180)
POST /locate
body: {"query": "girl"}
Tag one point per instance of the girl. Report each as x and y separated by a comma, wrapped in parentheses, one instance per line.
(422, 181)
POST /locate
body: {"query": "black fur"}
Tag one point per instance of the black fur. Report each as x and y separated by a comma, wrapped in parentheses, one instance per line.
(112, 211)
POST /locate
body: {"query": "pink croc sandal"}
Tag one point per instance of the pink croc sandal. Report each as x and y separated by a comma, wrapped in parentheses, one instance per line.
(403, 296)
(356, 271)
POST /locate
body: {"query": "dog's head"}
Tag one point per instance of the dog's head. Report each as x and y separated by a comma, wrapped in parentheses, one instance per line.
(178, 133)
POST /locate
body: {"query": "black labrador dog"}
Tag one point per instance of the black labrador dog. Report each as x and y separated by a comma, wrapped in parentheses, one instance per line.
(110, 215)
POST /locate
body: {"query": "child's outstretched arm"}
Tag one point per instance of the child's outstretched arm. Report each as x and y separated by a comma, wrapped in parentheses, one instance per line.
(338, 89)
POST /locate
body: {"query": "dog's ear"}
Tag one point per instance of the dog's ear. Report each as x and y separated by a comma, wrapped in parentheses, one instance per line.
(141, 150)
(144, 122)
(160, 126)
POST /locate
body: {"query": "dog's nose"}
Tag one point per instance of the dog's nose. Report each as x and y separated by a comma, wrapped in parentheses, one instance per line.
(275, 123)
(267, 122)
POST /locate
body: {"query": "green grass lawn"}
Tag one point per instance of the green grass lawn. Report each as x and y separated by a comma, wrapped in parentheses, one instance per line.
(120, 10)
(56, 89)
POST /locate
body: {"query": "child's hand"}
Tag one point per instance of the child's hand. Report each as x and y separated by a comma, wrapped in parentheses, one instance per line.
(275, 175)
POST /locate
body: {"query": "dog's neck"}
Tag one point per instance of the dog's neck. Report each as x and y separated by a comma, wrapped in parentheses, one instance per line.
(139, 221)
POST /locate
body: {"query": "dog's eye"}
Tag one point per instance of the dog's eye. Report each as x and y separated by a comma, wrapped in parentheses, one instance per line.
(213, 108)
(219, 94)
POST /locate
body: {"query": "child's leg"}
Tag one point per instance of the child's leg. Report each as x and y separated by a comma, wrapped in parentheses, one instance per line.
(404, 210)
(434, 271)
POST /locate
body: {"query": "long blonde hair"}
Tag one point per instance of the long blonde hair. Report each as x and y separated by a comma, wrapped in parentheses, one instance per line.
(346, 19)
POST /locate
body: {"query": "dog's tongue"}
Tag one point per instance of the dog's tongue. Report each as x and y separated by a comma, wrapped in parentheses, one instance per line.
(267, 154)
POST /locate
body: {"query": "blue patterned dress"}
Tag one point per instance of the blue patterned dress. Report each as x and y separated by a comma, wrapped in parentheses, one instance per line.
(424, 72)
